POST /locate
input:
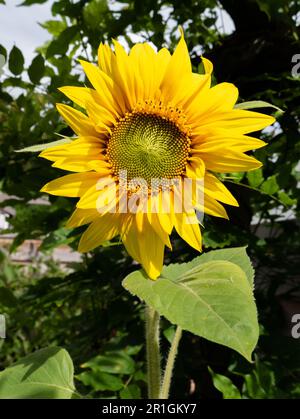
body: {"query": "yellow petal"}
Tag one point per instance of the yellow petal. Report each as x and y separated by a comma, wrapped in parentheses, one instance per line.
(212, 207)
(214, 188)
(229, 162)
(74, 185)
(103, 229)
(79, 122)
(188, 90)
(187, 226)
(225, 141)
(179, 65)
(123, 74)
(129, 236)
(239, 121)
(91, 147)
(79, 95)
(208, 66)
(162, 61)
(105, 58)
(164, 210)
(76, 163)
(81, 217)
(151, 250)
(103, 196)
(102, 119)
(155, 223)
(107, 89)
(195, 168)
(209, 104)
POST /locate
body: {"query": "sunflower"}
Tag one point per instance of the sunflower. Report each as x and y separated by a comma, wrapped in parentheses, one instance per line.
(149, 118)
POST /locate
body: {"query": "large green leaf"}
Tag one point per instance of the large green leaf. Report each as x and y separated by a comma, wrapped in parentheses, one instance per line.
(47, 373)
(212, 299)
(237, 255)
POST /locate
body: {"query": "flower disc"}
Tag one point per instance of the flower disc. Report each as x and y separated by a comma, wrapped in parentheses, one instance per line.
(148, 146)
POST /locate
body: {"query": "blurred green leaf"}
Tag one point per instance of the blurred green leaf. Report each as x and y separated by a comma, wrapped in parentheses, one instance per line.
(100, 381)
(113, 362)
(283, 196)
(255, 177)
(3, 51)
(94, 12)
(54, 27)
(7, 298)
(132, 391)
(36, 69)
(270, 186)
(16, 61)
(61, 45)
(225, 386)
(31, 2)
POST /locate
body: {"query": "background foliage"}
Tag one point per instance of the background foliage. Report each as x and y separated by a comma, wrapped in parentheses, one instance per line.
(84, 308)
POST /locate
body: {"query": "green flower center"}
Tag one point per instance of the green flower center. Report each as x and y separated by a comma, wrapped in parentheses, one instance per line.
(148, 146)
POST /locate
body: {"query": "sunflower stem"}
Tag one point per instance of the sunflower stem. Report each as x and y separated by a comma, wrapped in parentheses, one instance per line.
(153, 352)
(166, 383)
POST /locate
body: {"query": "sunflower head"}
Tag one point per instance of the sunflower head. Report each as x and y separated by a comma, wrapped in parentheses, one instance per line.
(148, 124)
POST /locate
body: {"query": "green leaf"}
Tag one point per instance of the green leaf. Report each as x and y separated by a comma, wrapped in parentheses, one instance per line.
(100, 381)
(113, 362)
(61, 44)
(213, 300)
(285, 199)
(131, 392)
(7, 298)
(61, 236)
(16, 61)
(47, 373)
(36, 69)
(237, 255)
(30, 2)
(225, 386)
(95, 12)
(270, 186)
(255, 177)
(253, 104)
(54, 27)
(41, 147)
(3, 52)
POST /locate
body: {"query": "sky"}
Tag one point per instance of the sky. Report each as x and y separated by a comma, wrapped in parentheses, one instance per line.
(19, 26)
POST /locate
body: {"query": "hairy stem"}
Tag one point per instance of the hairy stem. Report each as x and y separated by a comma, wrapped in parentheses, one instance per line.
(165, 388)
(153, 353)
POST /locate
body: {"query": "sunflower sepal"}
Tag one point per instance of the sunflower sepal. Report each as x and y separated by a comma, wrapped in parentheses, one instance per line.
(41, 147)
(255, 104)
